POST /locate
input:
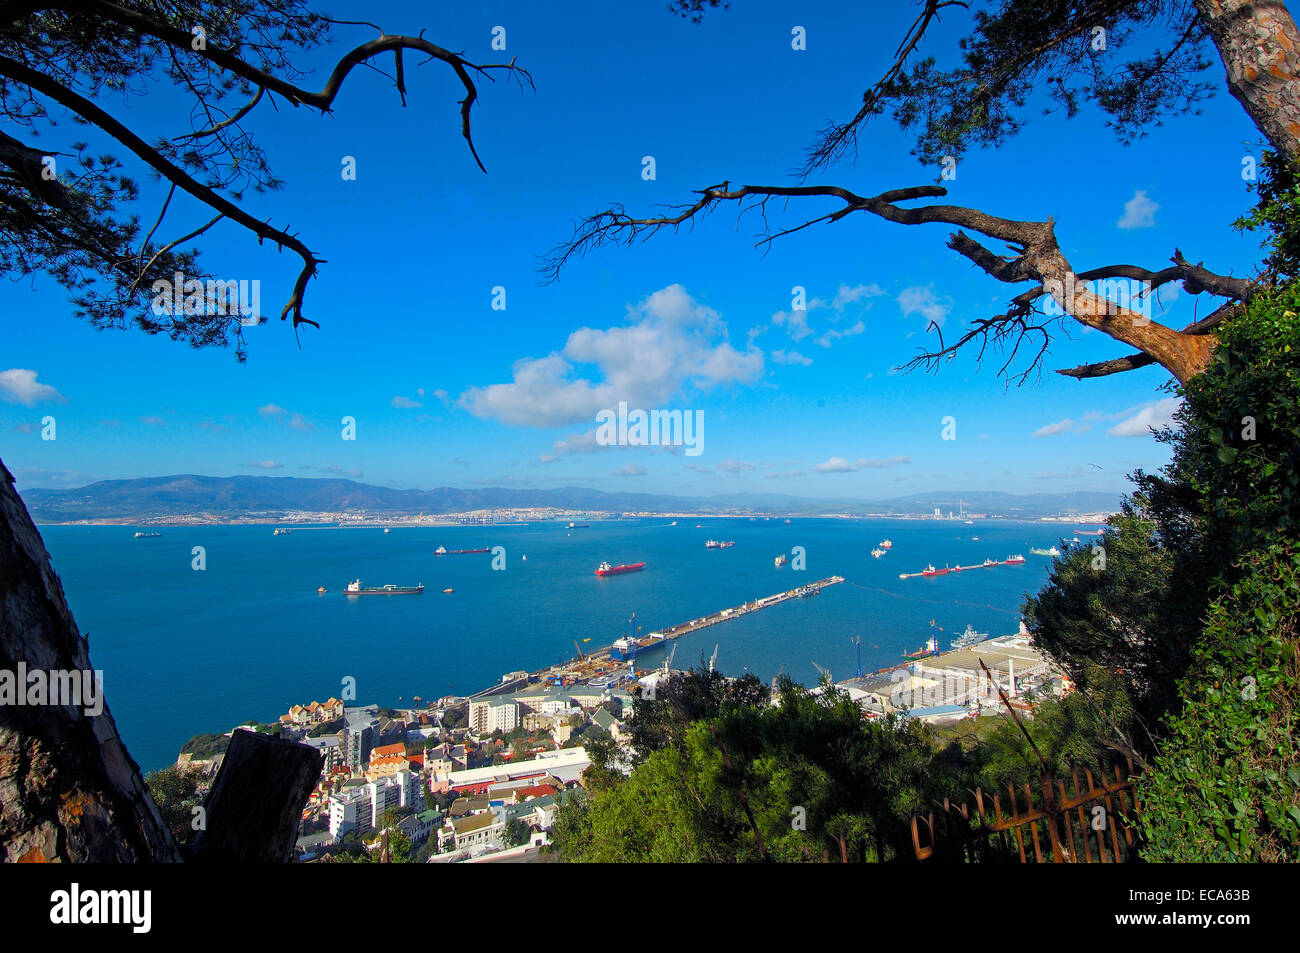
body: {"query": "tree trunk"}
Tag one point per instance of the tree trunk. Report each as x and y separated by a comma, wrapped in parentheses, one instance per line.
(69, 790)
(1260, 47)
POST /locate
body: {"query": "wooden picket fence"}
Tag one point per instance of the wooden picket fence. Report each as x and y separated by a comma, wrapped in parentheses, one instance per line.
(1093, 824)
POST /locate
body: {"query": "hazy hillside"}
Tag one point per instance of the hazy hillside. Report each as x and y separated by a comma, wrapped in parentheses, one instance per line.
(272, 496)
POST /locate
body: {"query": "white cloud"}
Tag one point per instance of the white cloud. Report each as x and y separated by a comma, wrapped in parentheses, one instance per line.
(732, 465)
(264, 465)
(670, 341)
(20, 386)
(789, 357)
(831, 335)
(1051, 430)
(794, 322)
(577, 443)
(921, 299)
(632, 469)
(295, 420)
(407, 403)
(841, 465)
(1158, 414)
(1139, 211)
(847, 296)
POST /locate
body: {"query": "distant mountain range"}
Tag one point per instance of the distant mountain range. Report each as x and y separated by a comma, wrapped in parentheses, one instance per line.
(254, 497)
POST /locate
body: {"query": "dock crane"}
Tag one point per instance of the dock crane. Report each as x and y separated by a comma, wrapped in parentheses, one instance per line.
(581, 657)
(715, 656)
(668, 662)
(823, 669)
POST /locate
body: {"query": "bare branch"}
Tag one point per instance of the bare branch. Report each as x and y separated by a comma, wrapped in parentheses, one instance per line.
(1037, 257)
(324, 99)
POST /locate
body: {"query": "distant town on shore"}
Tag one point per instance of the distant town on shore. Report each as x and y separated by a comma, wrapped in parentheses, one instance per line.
(190, 499)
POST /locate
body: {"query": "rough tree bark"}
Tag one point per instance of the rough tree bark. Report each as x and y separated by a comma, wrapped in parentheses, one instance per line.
(1260, 47)
(69, 790)
(256, 802)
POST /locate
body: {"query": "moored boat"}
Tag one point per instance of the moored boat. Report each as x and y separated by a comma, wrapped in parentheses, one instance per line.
(969, 637)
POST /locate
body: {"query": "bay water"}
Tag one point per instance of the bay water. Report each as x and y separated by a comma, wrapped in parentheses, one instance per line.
(186, 651)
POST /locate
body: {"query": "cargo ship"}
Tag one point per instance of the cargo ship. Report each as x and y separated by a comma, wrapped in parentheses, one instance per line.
(719, 543)
(1015, 560)
(444, 551)
(781, 560)
(632, 645)
(929, 570)
(281, 531)
(886, 544)
(877, 553)
(605, 569)
(146, 535)
(356, 589)
(930, 648)
(1039, 551)
(579, 525)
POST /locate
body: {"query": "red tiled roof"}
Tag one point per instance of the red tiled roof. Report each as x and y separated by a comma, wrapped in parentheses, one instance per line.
(539, 790)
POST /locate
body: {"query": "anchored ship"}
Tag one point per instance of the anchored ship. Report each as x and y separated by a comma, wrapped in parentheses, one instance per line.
(281, 531)
(605, 569)
(444, 551)
(969, 637)
(1039, 551)
(356, 589)
(1015, 560)
(877, 553)
(886, 544)
(781, 560)
(929, 570)
(719, 543)
(146, 535)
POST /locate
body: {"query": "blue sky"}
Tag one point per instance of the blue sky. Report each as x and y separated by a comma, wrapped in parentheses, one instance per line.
(447, 391)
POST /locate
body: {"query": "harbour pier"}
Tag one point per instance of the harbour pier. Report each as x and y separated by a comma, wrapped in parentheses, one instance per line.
(598, 662)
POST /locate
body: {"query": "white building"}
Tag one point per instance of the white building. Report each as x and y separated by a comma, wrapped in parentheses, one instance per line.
(493, 714)
(360, 807)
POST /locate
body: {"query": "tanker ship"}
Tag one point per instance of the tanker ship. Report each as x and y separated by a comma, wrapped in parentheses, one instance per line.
(605, 569)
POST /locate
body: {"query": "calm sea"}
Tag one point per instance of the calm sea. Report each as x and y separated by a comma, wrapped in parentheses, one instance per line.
(185, 651)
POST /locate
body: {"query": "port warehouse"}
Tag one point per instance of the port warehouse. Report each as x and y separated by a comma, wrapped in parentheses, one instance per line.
(954, 681)
(951, 683)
